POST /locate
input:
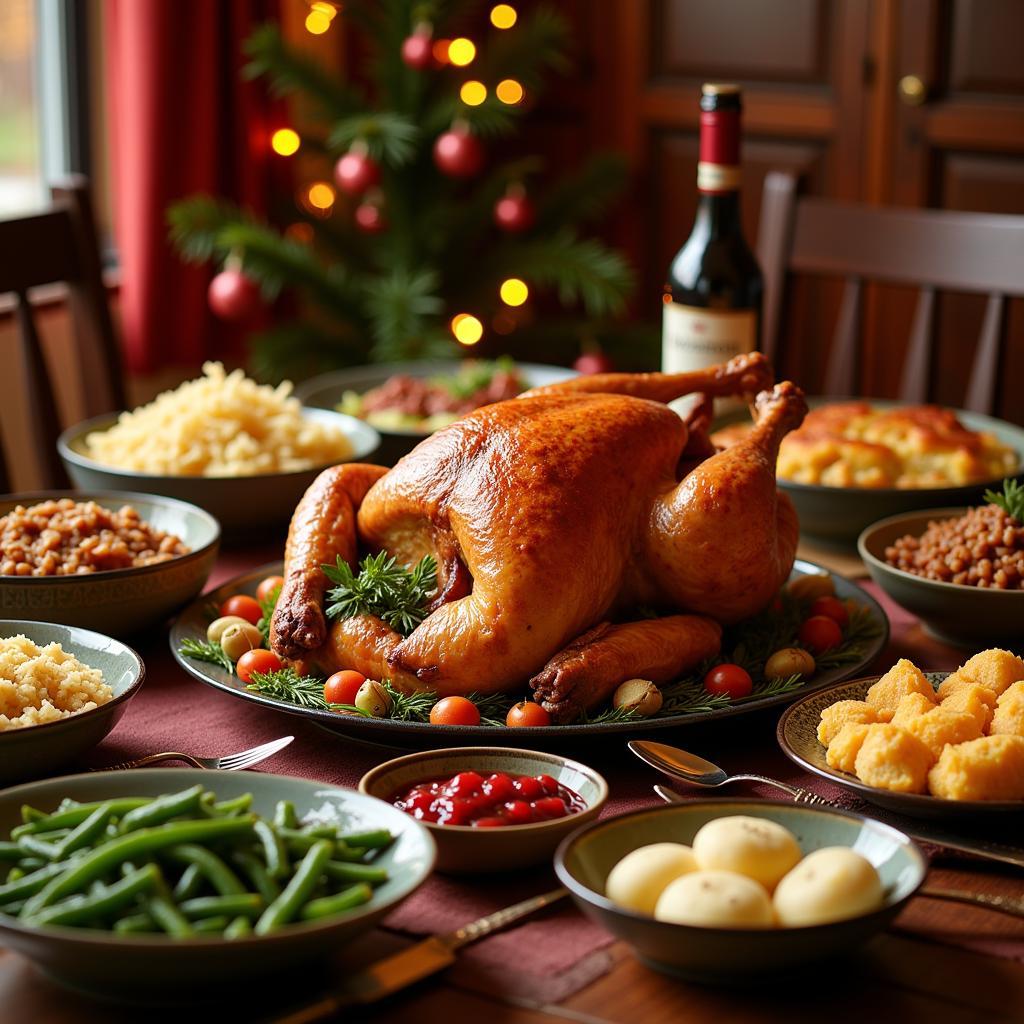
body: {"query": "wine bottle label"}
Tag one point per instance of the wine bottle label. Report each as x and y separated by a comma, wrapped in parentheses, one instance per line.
(717, 177)
(693, 338)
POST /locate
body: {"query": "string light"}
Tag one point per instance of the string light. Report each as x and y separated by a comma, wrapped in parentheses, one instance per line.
(509, 91)
(503, 16)
(284, 142)
(473, 93)
(461, 51)
(467, 329)
(440, 50)
(514, 292)
(320, 16)
(320, 195)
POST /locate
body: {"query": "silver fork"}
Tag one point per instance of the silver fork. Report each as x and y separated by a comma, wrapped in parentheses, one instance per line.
(229, 762)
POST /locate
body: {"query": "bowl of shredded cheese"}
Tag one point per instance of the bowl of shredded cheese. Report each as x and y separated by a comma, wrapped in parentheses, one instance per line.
(243, 451)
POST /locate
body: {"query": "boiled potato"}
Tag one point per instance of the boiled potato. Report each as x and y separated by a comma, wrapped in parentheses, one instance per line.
(972, 699)
(941, 727)
(994, 668)
(903, 678)
(845, 712)
(1009, 715)
(845, 746)
(911, 705)
(989, 768)
(716, 899)
(828, 885)
(892, 758)
(640, 877)
(755, 847)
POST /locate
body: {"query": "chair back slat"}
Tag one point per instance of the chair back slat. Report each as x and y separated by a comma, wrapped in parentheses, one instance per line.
(773, 243)
(841, 374)
(981, 391)
(36, 250)
(914, 385)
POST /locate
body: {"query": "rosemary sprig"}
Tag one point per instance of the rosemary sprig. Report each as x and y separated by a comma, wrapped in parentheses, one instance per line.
(1011, 501)
(267, 606)
(382, 588)
(606, 716)
(287, 685)
(409, 707)
(203, 650)
(773, 687)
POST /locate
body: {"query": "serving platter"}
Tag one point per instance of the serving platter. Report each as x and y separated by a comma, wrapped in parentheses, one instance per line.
(192, 623)
(797, 733)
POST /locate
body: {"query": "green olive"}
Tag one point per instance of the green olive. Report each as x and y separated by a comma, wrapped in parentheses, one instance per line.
(372, 698)
(239, 638)
(790, 661)
(640, 696)
(215, 630)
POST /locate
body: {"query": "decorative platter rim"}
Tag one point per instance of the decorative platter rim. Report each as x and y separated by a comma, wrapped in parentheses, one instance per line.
(797, 715)
(380, 730)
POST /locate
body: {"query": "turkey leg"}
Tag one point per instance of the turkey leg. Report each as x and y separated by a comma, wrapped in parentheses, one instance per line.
(586, 673)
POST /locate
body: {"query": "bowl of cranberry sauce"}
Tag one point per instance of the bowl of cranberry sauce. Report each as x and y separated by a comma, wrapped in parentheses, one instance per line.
(490, 808)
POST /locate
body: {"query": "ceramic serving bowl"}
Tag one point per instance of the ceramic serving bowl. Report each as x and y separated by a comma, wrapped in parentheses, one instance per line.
(158, 969)
(121, 601)
(730, 955)
(326, 391)
(244, 505)
(39, 750)
(465, 850)
(970, 617)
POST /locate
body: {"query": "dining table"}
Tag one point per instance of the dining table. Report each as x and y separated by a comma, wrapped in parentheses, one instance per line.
(938, 961)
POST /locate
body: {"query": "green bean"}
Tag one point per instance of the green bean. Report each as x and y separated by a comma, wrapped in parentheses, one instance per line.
(238, 928)
(30, 884)
(31, 863)
(257, 874)
(289, 904)
(343, 872)
(105, 858)
(249, 904)
(376, 839)
(274, 851)
(82, 835)
(354, 896)
(10, 852)
(40, 847)
(13, 909)
(299, 843)
(216, 872)
(163, 809)
(15, 874)
(189, 884)
(29, 813)
(342, 851)
(239, 805)
(74, 816)
(170, 919)
(134, 923)
(81, 910)
(285, 815)
(66, 803)
(210, 925)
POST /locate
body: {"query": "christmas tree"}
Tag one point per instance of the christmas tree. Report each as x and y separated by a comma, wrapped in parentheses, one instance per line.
(423, 243)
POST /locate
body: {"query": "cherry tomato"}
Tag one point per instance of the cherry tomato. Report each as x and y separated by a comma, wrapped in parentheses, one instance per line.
(342, 687)
(259, 660)
(244, 607)
(454, 711)
(832, 608)
(732, 680)
(268, 586)
(820, 633)
(526, 713)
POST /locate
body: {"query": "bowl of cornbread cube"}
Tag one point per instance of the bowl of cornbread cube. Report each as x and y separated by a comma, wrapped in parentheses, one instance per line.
(930, 744)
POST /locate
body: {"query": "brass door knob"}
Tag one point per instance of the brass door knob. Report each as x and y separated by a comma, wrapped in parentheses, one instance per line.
(912, 90)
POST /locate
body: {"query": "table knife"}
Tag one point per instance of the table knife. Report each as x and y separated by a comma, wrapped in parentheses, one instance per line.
(408, 966)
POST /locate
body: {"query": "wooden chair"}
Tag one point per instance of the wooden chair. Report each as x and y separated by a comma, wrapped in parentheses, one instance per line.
(60, 245)
(932, 249)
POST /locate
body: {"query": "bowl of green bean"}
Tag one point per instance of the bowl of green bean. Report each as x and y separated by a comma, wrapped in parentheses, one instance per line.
(124, 884)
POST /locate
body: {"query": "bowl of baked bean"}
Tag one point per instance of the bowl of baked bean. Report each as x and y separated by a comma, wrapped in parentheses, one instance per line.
(112, 561)
(960, 570)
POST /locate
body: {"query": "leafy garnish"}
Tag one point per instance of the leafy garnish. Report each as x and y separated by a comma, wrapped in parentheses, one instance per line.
(773, 687)
(203, 650)
(382, 588)
(607, 715)
(286, 684)
(1011, 501)
(267, 606)
(409, 707)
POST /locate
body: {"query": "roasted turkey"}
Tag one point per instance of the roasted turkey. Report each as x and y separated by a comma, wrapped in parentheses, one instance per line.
(555, 518)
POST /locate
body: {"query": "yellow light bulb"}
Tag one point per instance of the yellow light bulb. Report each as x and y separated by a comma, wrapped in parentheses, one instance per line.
(326, 9)
(509, 91)
(467, 329)
(473, 93)
(461, 51)
(284, 141)
(514, 292)
(320, 195)
(503, 16)
(317, 23)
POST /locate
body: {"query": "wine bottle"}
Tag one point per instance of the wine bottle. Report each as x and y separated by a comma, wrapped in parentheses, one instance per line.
(712, 299)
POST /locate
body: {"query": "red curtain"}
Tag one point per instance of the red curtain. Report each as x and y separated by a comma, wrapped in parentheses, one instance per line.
(182, 122)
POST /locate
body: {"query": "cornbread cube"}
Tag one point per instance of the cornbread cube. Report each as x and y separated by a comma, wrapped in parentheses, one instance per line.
(834, 717)
(842, 751)
(1008, 719)
(903, 678)
(971, 699)
(995, 669)
(940, 727)
(989, 768)
(891, 758)
(911, 705)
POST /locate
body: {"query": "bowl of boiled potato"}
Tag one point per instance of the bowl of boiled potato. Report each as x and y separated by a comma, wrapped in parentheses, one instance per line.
(719, 890)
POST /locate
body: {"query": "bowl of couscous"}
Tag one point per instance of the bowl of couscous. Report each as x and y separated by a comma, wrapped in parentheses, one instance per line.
(62, 689)
(245, 452)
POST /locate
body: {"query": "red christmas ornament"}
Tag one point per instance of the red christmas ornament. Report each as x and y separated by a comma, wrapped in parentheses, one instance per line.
(355, 172)
(418, 51)
(514, 213)
(593, 362)
(369, 217)
(233, 296)
(458, 154)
